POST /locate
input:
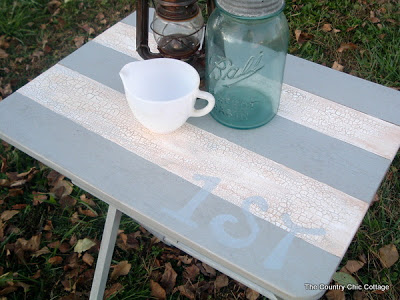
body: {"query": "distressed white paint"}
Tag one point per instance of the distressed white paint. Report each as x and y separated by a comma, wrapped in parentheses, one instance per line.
(122, 38)
(340, 122)
(190, 150)
(325, 116)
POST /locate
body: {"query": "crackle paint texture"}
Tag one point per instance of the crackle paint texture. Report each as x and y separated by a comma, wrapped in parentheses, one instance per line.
(306, 208)
(330, 118)
(191, 150)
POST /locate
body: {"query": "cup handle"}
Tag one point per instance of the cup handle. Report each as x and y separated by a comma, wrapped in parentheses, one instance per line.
(210, 105)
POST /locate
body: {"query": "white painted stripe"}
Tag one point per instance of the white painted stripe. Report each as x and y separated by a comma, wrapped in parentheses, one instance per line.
(122, 38)
(190, 150)
(320, 114)
(341, 122)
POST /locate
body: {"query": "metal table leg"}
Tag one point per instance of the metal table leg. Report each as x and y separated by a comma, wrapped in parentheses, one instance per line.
(106, 251)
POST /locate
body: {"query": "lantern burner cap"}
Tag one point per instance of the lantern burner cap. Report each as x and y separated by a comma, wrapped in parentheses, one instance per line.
(177, 10)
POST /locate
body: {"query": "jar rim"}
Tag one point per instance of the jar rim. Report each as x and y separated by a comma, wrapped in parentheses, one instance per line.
(247, 16)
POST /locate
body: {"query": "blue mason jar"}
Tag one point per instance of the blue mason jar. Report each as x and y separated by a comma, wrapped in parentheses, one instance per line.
(246, 46)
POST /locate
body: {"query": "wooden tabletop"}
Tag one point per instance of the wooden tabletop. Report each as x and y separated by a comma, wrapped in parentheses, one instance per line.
(274, 207)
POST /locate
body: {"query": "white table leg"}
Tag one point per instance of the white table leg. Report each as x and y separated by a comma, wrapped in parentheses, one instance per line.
(106, 251)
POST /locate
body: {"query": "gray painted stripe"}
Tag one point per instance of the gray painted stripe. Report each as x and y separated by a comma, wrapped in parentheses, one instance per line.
(328, 117)
(338, 164)
(365, 96)
(123, 181)
(362, 95)
(190, 150)
(131, 19)
(93, 57)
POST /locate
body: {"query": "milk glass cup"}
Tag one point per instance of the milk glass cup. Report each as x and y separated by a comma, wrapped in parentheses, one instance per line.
(162, 93)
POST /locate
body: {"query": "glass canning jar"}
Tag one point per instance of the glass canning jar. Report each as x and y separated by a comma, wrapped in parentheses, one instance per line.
(246, 46)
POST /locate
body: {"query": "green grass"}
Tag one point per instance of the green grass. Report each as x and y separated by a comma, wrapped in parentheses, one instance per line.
(29, 26)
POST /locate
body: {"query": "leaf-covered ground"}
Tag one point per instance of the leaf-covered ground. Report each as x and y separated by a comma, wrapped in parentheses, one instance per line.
(50, 229)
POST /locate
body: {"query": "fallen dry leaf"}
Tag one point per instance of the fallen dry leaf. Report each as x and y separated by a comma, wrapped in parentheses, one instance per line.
(359, 295)
(55, 260)
(3, 167)
(87, 28)
(23, 285)
(327, 27)
(53, 5)
(48, 235)
(55, 244)
(221, 281)
(388, 255)
(64, 247)
(67, 201)
(67, 284)
(168, 279)
(3, 54)
(8, 290)
(87, 212)
(38, 198)
(8, 214)
(363, 258)
(4, 182)
(100, 16)
(115, 288)
(71, 262)
(185, 259)
(346, 46)
(87, 258)
(18, 183)
(36, 55)
(381, 36)
(127, 241)
(251, 294)
(19, 206)
(210, 270)
(54, 177)
(88, 201)
(42, 251)
(351, 28)
(71, 296)
(121, 269)
(36, 275)
(374, 20)
(335, 295)
(352, 266)
(24, 174)
(157, 291)
(83, 245)
(79, 41)
(48, 226)
(74, 218)
(62, 188)
(3, 43)
(302, 37)
(73, 240)
(191, 272)
(47, 49)
(186, 291)
(335, 30)
(338, 67)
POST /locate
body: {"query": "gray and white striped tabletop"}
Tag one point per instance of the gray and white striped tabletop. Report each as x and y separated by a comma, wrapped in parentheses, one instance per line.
(275, 207)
